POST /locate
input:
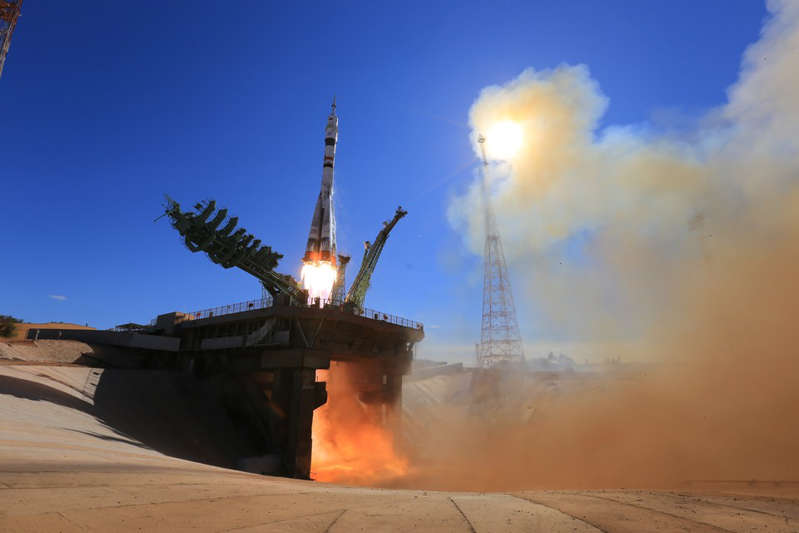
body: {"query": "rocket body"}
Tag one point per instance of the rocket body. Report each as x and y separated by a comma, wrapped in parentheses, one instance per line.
(321, 245)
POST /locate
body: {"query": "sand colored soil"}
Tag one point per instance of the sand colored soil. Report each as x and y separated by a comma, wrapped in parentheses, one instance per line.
(78, 454)
(50, 351)
(64, 352)
(21, 330)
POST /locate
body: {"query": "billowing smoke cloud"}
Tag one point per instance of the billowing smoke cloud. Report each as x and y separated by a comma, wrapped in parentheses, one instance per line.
(687, 241)
(605, 223)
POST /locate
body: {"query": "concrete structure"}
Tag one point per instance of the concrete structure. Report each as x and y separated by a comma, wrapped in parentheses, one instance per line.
(260, 361)
(125, 339)
(266, 359)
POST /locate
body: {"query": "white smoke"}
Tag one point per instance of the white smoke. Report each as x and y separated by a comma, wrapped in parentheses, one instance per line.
(644, 205)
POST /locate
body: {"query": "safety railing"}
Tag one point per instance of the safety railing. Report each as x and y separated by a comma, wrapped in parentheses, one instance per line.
(264, 303)
(130, 329)
(240, 307)
(392, 319)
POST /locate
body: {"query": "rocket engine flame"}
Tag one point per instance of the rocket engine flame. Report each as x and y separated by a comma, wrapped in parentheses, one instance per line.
(318, 278)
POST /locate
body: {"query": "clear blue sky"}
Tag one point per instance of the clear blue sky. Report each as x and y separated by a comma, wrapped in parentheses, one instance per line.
(106, 106)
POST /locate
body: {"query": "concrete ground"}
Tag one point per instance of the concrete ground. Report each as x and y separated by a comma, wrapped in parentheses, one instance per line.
(64, 468)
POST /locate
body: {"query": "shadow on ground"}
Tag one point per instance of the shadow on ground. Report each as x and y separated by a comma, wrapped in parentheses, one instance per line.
(174, 414)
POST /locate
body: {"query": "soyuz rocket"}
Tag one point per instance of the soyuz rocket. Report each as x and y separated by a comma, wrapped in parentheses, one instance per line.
(321, 245)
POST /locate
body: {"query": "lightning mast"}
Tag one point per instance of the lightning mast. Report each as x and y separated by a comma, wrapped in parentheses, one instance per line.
(500, 340)
(9, 13)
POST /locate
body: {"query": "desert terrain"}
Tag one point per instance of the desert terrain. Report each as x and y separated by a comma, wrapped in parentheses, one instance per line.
(21, 329)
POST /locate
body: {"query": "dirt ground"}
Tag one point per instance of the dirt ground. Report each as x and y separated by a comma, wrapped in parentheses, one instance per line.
(21, 330)
(63, 467)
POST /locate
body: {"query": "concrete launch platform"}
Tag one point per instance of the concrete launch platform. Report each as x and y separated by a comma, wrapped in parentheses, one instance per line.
(257, 361)
(66, 465)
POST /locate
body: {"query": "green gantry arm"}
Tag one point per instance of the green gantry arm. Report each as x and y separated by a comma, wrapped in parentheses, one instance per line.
(231, 249)
(357, 293)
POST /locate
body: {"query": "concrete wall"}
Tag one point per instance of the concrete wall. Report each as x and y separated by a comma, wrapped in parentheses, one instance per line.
(113, 338)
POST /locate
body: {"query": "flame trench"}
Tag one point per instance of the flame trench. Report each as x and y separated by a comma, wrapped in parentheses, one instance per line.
(351, 442)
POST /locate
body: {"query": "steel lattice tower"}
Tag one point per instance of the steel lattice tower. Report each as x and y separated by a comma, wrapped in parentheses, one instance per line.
(500, 340)
(9, 13)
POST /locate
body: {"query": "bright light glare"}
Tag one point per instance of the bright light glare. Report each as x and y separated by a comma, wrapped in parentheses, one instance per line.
(318, 279)
(503, 140)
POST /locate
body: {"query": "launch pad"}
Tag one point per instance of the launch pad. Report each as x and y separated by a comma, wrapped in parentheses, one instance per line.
(259, 359)
(266, 360)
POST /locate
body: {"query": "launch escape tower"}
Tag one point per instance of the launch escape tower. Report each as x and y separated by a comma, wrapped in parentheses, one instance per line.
(9, 13)
(500, 340)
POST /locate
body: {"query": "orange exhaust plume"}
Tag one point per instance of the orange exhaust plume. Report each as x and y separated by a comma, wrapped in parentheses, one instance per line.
(352, 441)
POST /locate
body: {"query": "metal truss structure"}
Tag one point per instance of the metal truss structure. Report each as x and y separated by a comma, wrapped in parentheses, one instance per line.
(229, 248)
(500, 340)
(9, 13)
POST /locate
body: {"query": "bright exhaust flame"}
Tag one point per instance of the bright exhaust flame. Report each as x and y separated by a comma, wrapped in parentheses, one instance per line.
(317, 279)
(351, 443)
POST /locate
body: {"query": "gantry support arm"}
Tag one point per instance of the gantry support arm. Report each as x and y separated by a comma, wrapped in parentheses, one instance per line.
(357, 293)
(231, 249)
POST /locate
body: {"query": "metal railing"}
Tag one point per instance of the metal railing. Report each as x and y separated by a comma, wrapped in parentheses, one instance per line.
(141, 327)
(264, 303)
(240, 307)
(391, 319)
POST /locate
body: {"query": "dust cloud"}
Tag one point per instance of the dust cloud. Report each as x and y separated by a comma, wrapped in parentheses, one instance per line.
(682, 239)
(685, 239)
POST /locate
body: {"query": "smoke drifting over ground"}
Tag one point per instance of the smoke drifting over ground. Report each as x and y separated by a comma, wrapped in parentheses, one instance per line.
(687, 242)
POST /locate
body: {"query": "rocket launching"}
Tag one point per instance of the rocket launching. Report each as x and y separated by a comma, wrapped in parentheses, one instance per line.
(319, 263)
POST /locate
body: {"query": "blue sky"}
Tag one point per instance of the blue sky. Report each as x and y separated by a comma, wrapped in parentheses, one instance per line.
(107, 106)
